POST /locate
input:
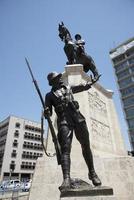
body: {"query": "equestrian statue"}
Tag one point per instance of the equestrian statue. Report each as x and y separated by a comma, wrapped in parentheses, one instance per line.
(75, 51)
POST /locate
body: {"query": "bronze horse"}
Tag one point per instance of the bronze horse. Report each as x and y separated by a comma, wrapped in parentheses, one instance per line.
(76, 53)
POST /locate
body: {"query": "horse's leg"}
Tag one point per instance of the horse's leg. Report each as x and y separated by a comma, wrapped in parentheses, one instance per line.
(88, 64)
(69, 51)
(94, 69)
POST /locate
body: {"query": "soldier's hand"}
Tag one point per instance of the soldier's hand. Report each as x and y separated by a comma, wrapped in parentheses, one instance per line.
(47, 112)
(94, 80)
(88, 85)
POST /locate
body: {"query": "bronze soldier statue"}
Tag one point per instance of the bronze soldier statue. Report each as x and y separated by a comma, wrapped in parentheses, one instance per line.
(69, 119)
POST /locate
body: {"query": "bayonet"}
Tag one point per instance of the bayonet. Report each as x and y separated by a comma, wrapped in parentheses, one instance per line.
(54, 138)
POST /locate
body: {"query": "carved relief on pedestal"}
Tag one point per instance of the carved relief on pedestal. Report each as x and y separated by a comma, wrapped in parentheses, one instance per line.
(97, 104)
(100, 132)
(99, 119)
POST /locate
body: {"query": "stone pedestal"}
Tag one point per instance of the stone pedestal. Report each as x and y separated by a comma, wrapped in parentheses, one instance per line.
(116, 173)
(87, 191)
(90, 198)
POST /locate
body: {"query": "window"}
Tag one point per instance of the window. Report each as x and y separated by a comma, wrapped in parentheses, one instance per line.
(12, 166)
(130, 112)
(125, 82)
(131, 61)
(30, 145)
(31, 136)
(131, 123)
(16, 181)
(14, 154)
(122, 74)
(2, 142)
(130, 52)
(15, 143)
(128, 91)
(1, 155)
(121, 66)
(4, 126)
(27, 166)
(32, 128)
(16, 133)
(129, 101)
(3, 133)
(17, 125)
(119, 58)
(132, 138)
(132, 69)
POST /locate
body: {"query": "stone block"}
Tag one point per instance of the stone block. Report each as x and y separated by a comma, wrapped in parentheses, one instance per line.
(86, 191)
(90, 198)
(47, 178)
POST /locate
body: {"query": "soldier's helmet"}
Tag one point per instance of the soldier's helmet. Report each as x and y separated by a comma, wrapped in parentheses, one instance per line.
(51, 77)
(78, 37)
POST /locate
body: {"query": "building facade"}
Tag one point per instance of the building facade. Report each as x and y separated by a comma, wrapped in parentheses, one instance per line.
(20, 146)
(123, 62)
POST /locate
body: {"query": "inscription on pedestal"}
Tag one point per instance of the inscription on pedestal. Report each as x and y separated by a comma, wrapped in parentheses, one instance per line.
(97, 104)
(100, 132)
(100, 128)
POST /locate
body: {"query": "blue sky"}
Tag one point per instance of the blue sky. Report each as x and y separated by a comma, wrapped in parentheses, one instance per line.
(29, 28)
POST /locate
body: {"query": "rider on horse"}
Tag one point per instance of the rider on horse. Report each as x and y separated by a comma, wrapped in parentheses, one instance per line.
(75, 51)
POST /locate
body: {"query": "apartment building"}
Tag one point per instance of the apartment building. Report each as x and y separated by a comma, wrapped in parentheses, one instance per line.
(20, 146)
(123, 62)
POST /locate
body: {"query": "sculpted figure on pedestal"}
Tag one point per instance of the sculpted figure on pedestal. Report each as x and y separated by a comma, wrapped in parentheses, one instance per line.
(69, 119)
(75, 51)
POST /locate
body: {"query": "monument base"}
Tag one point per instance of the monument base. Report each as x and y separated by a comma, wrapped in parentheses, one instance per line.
(90, 198)
(115, 172)
(80, 188)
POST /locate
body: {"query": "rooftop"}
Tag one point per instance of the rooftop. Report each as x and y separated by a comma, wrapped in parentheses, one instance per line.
(124, 43)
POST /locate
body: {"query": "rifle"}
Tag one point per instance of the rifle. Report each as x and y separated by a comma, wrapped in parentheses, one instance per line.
(54, 138)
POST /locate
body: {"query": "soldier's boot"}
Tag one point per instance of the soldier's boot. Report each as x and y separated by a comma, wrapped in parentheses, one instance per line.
(94, 178)
(66, 184)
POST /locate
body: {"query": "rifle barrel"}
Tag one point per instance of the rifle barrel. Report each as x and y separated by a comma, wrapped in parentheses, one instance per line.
(35, 83)
(57, 149)
(29, 68)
